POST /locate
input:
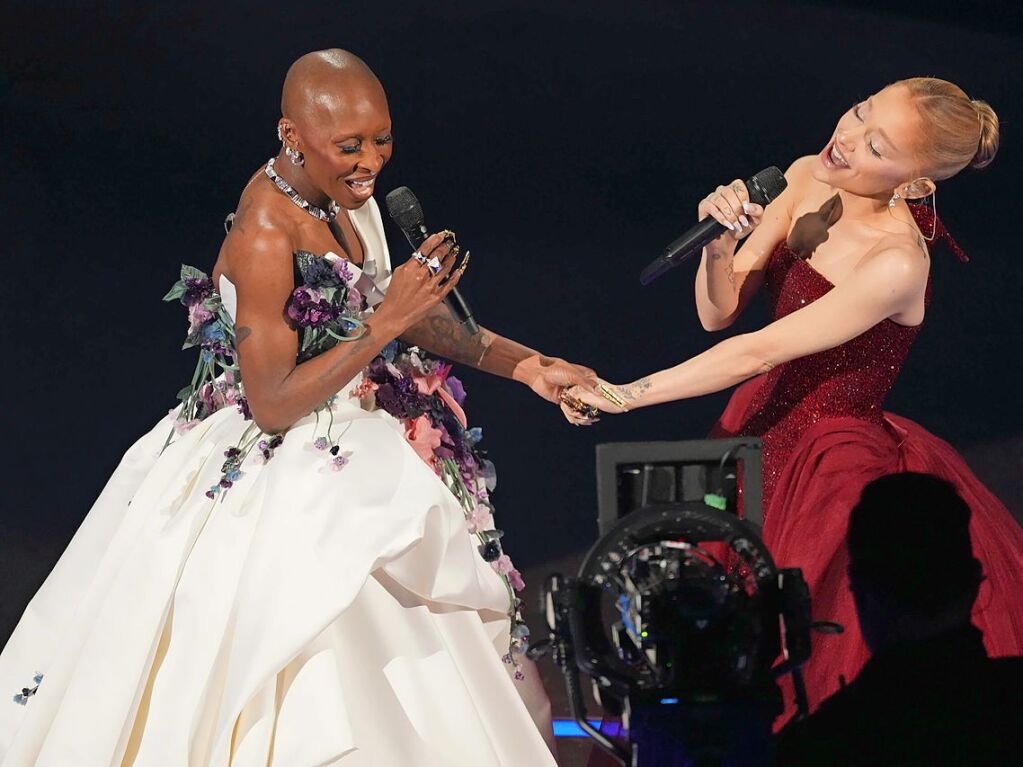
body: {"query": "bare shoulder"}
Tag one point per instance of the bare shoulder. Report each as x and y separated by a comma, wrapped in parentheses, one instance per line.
(898, 261)
(262, 239)
(799, 175)
(800, 169)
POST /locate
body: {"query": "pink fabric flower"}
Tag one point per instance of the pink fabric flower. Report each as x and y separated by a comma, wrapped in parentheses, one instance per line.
(504, 566)
(364, 389)
(453, 406)
(182, 426)
(434, 384)
(481, 519)
(424, 438)
(197, 315)
(428, 384)
(354, 300)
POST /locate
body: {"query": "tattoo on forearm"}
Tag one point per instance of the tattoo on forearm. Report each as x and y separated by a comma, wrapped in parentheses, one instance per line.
(730, 273)
(349, 348)
(441, 335)
(241, 334)
(634, 390)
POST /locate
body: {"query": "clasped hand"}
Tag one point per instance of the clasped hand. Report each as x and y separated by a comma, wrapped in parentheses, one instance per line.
(582, 406)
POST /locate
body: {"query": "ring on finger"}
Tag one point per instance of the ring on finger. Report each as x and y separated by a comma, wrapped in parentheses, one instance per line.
(434, 265)
(420, 258)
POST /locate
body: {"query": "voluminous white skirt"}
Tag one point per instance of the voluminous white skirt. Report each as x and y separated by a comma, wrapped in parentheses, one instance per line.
(308, 617)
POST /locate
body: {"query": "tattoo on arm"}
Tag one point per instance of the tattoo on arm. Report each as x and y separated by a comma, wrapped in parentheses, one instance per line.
(349, 348)
(241, 334)
(440, 334)
(730, 273)
(633, 390)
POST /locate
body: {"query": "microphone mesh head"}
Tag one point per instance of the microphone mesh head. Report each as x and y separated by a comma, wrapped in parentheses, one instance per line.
(766, 185)
(404, 208)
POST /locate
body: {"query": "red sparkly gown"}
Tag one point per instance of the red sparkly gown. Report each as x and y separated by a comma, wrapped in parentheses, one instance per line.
(825, 436)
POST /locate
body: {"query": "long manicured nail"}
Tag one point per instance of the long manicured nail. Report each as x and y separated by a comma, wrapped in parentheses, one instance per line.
(745, 221)
(729, 225)
(745, 207)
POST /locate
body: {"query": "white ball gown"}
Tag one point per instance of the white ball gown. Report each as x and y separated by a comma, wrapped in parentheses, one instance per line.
(302, 616)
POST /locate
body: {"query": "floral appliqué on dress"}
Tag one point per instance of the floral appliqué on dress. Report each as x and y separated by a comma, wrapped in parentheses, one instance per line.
(328, 309)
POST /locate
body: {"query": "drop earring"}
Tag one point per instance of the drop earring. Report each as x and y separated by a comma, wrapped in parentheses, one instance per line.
(934, 214)
(297, 158)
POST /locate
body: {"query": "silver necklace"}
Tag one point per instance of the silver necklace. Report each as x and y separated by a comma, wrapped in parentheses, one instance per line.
(323, 215)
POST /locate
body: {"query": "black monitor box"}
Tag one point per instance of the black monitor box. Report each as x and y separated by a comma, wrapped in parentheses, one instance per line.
(632, 475)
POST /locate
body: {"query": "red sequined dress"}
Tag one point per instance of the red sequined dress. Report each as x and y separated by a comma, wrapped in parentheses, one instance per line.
(825, 436)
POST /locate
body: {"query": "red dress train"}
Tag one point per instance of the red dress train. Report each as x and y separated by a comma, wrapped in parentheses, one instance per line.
(825, 436)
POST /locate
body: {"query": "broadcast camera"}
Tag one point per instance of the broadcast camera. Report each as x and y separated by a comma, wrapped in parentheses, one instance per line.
(678, 613)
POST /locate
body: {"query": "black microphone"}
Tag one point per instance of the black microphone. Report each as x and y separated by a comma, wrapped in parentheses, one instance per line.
(407, 213)
(763, 189)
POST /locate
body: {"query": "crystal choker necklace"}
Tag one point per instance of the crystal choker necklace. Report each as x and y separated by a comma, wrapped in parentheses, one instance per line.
(324, 215)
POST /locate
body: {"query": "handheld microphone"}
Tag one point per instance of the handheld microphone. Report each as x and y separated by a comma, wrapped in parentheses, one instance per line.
(407, 213)
(763, 189)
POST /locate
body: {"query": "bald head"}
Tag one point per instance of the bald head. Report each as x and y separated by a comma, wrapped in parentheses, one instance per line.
(335, 127)
(321, 82)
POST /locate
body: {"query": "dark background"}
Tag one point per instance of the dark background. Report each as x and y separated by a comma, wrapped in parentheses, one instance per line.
(565, 142)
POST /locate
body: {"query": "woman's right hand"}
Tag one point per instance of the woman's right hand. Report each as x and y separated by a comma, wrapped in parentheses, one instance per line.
(731, 207)
(414, 290)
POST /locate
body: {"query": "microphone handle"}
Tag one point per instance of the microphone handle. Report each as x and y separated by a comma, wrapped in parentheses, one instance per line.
(456, 304)
(682, 249)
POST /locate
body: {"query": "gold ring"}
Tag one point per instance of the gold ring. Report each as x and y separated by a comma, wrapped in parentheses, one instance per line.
(612, 397)
(581, 408)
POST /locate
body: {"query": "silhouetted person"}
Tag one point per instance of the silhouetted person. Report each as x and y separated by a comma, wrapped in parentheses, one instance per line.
(929, 694)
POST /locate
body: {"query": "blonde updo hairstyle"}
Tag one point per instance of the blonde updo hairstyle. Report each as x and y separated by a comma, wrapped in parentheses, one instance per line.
(958, 131)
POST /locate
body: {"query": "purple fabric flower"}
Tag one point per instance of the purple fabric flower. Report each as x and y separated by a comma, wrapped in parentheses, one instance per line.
(243, 408)
(406, 388)
(447, 444)
(343, 270)
(309, 309)
(319, 272)
(377, 370)
(455, 389)
(504, 566)
(338, 463)
(197, 316)
(197, 290)
(387, 399)
(354, 299)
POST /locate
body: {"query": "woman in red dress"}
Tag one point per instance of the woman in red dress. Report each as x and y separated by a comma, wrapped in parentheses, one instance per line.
(846, 264)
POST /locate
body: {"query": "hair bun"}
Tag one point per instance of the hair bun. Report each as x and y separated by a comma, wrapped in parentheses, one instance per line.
(987, 145)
